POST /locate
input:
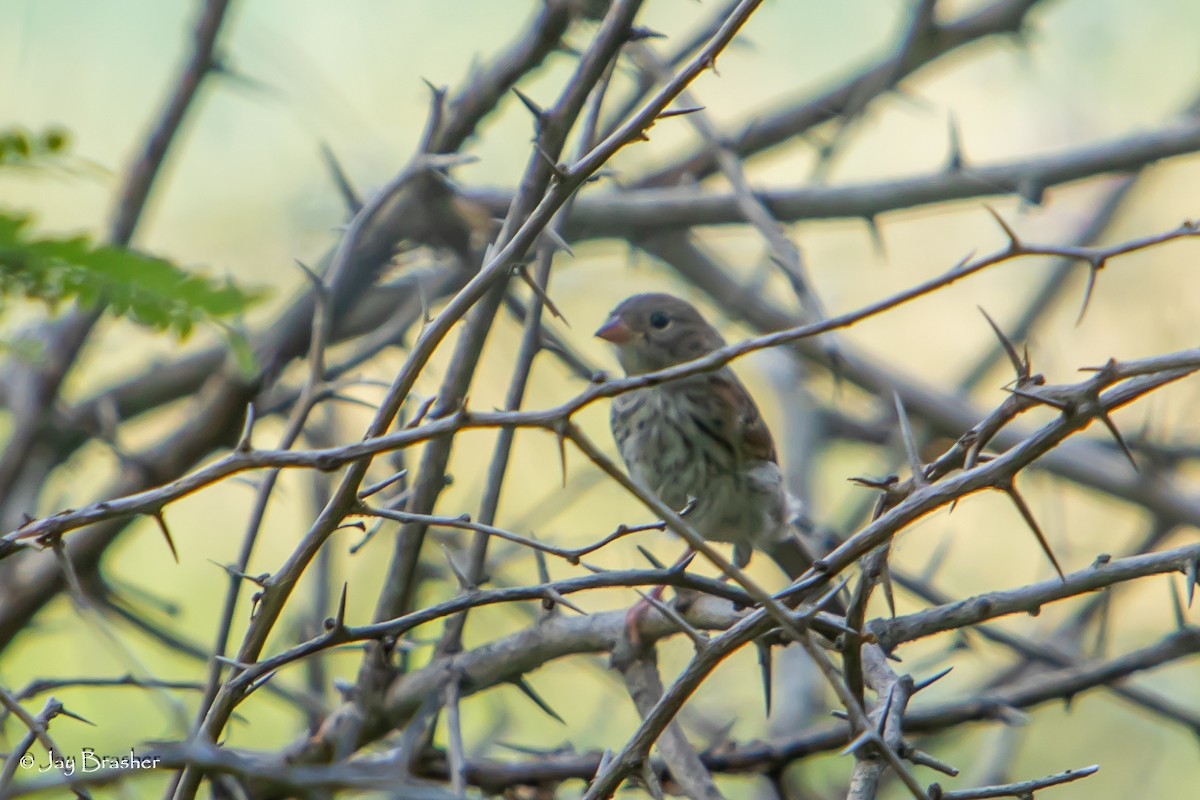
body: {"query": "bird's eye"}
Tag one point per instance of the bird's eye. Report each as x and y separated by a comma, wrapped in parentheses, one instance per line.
(659, 320)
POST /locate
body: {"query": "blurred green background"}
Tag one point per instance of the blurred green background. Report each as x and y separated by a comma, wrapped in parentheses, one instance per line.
(245, 192)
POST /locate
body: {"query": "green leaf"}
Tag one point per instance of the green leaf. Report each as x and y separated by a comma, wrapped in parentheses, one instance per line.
(55, 140)
(147, 290)
(20, 147)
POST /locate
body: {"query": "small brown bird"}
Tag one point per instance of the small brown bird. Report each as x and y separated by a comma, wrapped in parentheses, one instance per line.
(699, 438)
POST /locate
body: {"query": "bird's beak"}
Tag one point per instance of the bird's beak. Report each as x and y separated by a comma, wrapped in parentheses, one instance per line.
(615, 330)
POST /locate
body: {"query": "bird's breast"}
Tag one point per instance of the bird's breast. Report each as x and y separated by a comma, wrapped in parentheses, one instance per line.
(675, 449)
(660, 431)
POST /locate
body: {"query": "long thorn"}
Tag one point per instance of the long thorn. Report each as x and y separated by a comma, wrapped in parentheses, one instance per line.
(1027, 515)
(528, 691)
(1009, 349)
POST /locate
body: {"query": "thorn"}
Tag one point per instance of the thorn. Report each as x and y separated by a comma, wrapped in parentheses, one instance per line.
(556, 239)
(1116, 434)
(881, 484)
(539, 556)
(534, 287)
(528, 691)
(1031, 190)
(526, 750)
(539, 115)
(866, 737)
(1041, 399)
(375, 488)
(639, 33)
(552, 597)
(257, 580)
(955, 162)
(65, 713)
(162, 526)
(1014, 243)
(367, 535)
(438, 92)
(962, 262)
(602, 173)
(650, 557)
(560, 172)
(876, 237)
(764, 665)
(231, 662)
(244, 445)
(1093, 271)
(699, 640)
(885, 580)
(350, 197)
(445, 161)
(242, 79)
(930, 681)
(681, 566)
(313, 277)
(887, 709)
(1108, 366)
(678, 112)
(339, 619)
(1022, 369)
(1177, 604)
(422, 410)
(1011, 490)
(464, 582)
(261, 682)
(826, 599)
(910, 443)
(834, 623)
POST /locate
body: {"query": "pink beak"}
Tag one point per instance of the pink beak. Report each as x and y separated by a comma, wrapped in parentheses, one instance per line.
(615, 330)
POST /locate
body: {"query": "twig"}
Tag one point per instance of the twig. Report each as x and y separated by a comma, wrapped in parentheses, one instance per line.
(1020, 789)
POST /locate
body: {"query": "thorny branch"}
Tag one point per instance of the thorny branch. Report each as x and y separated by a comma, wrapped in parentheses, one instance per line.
(552, 419)
(423, 212)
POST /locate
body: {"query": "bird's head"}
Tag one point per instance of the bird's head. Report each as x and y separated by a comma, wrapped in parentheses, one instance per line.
(655, 331)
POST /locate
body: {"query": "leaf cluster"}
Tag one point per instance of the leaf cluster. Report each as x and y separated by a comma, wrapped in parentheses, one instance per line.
(145, 289)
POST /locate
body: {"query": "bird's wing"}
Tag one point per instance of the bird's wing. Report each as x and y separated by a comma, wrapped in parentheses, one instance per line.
(746, 425)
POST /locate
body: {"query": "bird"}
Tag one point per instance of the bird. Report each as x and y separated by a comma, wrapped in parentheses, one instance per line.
(699, 442)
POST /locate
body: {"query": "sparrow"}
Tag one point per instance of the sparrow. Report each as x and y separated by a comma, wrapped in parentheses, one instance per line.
(699, 442)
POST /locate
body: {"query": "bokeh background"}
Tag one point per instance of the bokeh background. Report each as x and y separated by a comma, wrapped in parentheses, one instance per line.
(245, 193)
